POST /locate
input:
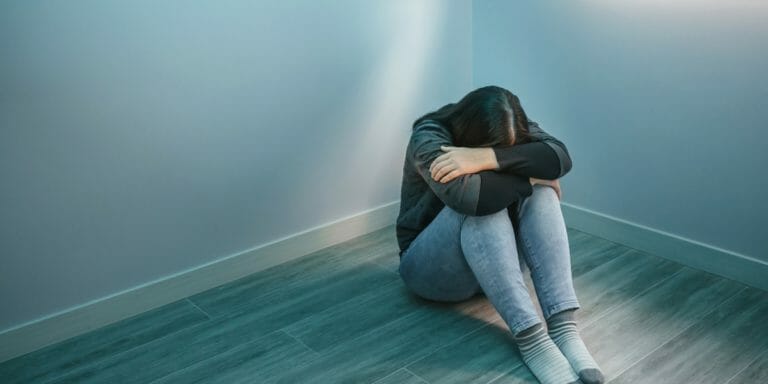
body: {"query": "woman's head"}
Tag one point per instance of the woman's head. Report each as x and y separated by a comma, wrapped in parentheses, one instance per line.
(485, 117)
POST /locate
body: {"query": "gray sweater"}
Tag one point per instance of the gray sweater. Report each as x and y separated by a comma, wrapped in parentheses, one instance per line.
(476, 194)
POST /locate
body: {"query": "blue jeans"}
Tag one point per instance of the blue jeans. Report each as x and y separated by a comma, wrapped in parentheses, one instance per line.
(458, 256)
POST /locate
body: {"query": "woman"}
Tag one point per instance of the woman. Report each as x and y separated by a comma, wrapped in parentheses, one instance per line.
(479, 206)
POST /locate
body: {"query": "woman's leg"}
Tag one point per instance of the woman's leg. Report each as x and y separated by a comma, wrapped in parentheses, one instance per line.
(457, 255)
(489, 246)
(543, 240)
(438, 281)
(434, 267)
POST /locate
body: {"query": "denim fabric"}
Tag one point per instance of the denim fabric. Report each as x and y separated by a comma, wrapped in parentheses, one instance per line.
(458, 256)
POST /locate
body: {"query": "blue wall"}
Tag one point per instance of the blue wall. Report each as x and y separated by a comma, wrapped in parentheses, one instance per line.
(662, 105)
(140, 138)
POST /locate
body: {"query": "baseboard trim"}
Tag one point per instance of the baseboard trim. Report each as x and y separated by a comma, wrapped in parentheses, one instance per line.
(692, 253)
(74, 321)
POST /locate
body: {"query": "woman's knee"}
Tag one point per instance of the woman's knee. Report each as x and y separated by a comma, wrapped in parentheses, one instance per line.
(499, 218)
(544, 193)
(448, 213)
(543, 197)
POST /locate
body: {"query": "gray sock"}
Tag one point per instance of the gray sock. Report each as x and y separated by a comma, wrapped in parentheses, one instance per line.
(543, 358)
(563, 331)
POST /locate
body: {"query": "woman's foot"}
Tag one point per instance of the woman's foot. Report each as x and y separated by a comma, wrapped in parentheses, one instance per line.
(543, 358)
(563, 331)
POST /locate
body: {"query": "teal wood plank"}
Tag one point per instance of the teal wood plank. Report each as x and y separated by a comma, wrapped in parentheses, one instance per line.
(617, 281)
(91, 348)
(388, 255)
(389, 260)
(386, 349)
(755, 372)
(712, 350)
(401, 376)
(317, 266)
(490, 352)
(588, 252)
(267, 314)
(519, 375)
(355, 317)
(630, 331)
(478, 357)
(252, 362)
(316, 278)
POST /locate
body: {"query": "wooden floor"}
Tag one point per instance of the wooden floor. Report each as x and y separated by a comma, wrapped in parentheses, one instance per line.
(342, 315)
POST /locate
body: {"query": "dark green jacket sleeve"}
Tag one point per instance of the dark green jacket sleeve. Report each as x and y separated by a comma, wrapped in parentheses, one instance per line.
(545, 157)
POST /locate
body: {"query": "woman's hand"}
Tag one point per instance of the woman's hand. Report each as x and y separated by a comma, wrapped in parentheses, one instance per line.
(459, 161)
(552, 183)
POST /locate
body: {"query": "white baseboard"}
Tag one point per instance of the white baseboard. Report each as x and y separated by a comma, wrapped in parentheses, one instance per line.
(63, 325)
(718, 261)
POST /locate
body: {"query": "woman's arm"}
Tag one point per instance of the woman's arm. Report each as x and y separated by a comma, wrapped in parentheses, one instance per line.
(474, 194)
(536, 159)
(544, 158)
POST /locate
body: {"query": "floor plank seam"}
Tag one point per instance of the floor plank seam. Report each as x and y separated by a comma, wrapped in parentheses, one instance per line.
(454, 342)
(417, 376)
(242, 311)
(372, 330)
(695, 322)
(735, 375)
(379, 380)
(198, 308)
(298, 340)
(499, 376)
(157, 340)
(117, 355)
(367, 332)
(383, 287)
(205, 360)
(509, 370)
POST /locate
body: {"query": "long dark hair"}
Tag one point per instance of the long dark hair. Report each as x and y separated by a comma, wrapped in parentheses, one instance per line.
(482, 118)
